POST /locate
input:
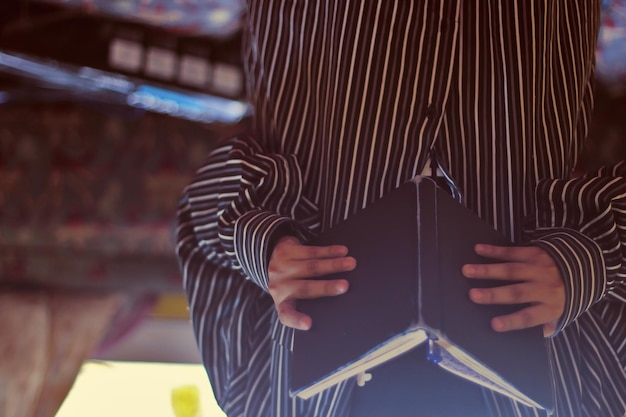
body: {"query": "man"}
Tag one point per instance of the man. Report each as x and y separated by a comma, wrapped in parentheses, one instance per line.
(351, 100)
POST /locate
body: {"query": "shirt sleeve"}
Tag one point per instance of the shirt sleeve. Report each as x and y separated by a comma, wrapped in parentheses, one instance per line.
(581, 223)
(241, 200)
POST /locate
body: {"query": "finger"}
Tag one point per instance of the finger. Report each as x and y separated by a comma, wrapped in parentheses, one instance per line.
(549, 329)
(319, 267)
(299, 289)
(506, 294)
(527, 317)
(291, 248)
(290, 317)
(320, 252)
(532, 254)
(504, 271)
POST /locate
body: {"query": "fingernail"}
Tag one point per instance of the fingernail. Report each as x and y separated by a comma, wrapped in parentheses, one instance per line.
(481, 248)
(497, 325)
(469, 270)
(476, 295)
(350, 263)
(341, 289)
(341, 250)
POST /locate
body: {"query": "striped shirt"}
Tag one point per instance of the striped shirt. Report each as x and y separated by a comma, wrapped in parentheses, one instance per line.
(350, 99)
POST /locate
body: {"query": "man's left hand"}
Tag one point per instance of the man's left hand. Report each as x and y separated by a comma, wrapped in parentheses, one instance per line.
(537, 282)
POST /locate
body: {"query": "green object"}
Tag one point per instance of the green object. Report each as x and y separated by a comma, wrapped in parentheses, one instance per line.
(186, 401)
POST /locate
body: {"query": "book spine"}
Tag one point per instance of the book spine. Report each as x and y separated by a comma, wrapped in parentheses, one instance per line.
(429, 290)
(417, 291)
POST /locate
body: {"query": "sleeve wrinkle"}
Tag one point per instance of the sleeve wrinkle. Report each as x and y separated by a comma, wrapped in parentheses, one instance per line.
(249, 196)
(581, 223)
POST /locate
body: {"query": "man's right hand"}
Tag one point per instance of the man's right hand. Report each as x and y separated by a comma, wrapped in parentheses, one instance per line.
(289, 270)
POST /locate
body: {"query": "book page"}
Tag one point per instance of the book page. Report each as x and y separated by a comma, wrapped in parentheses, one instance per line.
(453, 359)
(390, 349)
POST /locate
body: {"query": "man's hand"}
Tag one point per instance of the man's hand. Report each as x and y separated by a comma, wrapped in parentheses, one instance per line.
(540, 285)
(291, 264)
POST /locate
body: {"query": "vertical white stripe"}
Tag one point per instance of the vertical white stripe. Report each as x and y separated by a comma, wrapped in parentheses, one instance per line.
(392, 133)
(338, 156)
(361, 113)
(375, 135)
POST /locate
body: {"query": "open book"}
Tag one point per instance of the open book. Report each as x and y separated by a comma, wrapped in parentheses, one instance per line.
(407, 290)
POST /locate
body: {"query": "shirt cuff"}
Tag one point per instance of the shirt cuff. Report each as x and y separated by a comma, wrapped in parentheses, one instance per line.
(255, 235)
(581, 264)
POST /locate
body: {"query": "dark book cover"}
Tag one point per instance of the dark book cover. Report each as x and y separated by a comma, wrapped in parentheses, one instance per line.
(410, 247)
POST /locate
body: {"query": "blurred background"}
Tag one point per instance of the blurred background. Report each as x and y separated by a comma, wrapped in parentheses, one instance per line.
(106, 109)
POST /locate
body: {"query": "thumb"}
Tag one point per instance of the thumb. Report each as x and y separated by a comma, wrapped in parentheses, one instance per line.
(290, 317)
